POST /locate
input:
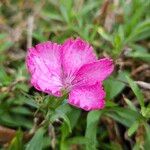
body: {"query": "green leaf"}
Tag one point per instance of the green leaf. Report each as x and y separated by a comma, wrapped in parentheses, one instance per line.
(133, 128)
(21, 110)
(112, 82)
(88, 7)
(15, 120)
(60, 114)
(147, 137)
(65, 14)
(3, 36)
(117, 44)
(91, 129)
(16, 143)
(29, 100)
(77, 140)
(39, 35)
(104, 35)
(145, 56)
(115, 146)
(140, 31)
(51, 15)
(136, 12)
(136, 91)
(5, 46)
(137, 146)
(130, 104)
(36, 143)
(139, 52)
(5, 79)
(73, 115)
(124, 116)
(145, 111)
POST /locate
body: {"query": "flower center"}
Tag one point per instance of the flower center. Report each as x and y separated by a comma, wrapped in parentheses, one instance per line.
(67, 83)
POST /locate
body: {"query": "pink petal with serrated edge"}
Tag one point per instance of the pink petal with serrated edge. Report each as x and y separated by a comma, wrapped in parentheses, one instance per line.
(44, 64)
(88, 97)
(94, 72)
(75, 54)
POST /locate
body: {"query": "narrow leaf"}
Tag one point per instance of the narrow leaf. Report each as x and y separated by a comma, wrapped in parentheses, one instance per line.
(133, 128)
(136, 91)
(36, 142)
(91, 129)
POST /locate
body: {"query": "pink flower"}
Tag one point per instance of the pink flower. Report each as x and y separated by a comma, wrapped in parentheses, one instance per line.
(72, 67)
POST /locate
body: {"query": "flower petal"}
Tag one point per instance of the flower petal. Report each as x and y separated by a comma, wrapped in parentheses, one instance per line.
(44, 63)
(75, 54)
(94, 72)
(88, 97)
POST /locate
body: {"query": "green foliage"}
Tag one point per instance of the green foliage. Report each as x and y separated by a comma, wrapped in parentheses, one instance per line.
(53, 123)
(17, 141)
(91, 129)
(117, 82)
(147, 137)
(37, 140)
(130, 104)
(124, 116)
(136, 91)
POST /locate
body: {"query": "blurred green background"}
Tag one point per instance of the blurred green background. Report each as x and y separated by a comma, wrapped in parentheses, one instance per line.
(116, 28)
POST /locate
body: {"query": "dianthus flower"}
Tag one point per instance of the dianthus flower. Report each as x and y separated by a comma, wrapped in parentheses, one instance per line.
(72, 67)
